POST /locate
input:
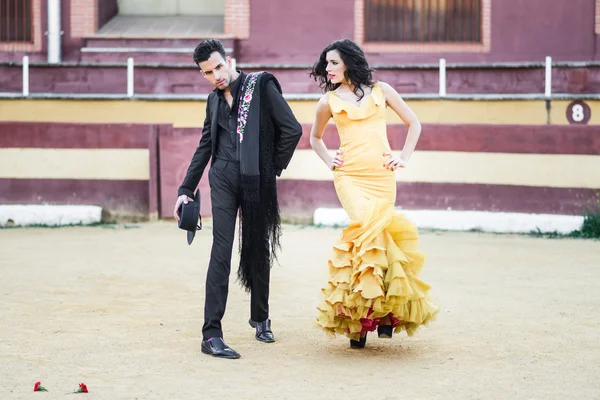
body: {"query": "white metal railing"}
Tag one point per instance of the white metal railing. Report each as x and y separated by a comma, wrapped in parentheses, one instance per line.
(442, 77)
(130, 76)
(130, 79)
(130, 89)
(25, 76)
(548, 84)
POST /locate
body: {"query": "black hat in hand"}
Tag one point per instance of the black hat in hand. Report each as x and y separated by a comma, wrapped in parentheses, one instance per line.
(189, 217)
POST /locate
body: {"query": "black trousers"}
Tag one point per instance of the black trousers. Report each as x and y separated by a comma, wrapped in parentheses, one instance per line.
(225, 192)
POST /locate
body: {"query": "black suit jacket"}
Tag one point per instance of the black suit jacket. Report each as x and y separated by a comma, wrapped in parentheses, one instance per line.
(289, 133)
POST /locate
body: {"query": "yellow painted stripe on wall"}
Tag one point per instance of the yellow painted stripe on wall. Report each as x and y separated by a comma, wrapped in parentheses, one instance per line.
(437, 111)
(178, 113)
(541, 170)
(475, 112)
(111, 164)
(191, 114)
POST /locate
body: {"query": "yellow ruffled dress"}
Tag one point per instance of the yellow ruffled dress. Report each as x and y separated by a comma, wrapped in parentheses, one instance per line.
(375, 265)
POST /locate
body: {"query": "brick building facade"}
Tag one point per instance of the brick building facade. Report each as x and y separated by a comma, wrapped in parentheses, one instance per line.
(400, 31)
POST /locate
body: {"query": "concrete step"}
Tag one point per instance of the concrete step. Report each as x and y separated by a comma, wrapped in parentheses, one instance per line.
(454, 220)
(49, 215)
(99, 49)
(106, 55)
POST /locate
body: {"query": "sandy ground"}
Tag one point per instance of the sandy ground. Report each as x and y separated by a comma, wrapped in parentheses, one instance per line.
(120, 308)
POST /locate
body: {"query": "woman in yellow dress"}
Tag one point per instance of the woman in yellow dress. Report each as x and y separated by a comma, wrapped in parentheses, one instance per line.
(375, 265)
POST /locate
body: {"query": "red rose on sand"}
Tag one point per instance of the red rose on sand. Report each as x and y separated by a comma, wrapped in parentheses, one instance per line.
(39, 388)
(82, 388)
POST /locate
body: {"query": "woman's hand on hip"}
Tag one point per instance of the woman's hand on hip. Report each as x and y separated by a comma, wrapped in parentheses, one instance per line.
(337, 161)
(393, 163)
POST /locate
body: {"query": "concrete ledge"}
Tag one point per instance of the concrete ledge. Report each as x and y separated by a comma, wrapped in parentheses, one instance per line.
(288, 66)
(297, 96)
(468, 220)
(49, 215)
(177, 50)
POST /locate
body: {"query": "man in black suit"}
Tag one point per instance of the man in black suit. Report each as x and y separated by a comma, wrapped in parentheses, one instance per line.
(250, 133)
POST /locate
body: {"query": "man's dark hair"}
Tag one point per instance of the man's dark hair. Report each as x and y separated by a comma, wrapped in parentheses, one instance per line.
(203, 51)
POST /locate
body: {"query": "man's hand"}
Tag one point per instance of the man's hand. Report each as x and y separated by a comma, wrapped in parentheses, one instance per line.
(181, 199)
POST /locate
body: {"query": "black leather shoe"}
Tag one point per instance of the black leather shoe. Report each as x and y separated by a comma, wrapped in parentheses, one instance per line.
(216, 347)
(359, 344)
(263, 331)
(385, 331)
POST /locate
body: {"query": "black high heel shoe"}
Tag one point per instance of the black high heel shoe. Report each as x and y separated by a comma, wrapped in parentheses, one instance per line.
(358, 344)
(385, 331)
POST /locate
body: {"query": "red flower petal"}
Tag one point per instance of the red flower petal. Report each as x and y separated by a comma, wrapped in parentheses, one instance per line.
(39, 388)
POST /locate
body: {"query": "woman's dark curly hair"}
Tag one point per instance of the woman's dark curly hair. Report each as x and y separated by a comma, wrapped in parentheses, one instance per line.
(358, 73)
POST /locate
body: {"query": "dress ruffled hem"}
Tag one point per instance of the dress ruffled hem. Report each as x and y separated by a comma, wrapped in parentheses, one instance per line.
(374, 272)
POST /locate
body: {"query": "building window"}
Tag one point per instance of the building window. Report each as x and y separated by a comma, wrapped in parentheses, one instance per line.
(422, 21)
(15, 21)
